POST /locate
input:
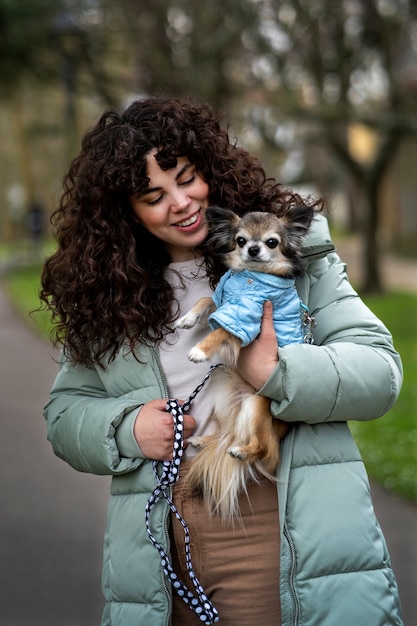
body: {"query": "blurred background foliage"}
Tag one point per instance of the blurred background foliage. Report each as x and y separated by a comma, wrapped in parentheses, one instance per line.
(324, 92)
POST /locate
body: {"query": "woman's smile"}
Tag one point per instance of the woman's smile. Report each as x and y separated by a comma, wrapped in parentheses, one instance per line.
(191, 221)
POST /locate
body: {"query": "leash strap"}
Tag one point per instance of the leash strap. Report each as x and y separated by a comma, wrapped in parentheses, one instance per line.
(201, 605)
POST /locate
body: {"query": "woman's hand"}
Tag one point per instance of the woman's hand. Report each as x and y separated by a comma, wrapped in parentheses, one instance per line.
(154, 430)
(257, 361)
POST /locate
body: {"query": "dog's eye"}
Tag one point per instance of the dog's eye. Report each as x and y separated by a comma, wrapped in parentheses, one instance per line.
(272, 243)
(240, 241)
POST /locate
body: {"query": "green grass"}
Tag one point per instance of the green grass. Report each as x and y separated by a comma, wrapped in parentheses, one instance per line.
(23, 286)
(388, 445)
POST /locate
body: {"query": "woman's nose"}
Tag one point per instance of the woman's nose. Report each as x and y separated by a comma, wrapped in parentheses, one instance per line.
(179, 200)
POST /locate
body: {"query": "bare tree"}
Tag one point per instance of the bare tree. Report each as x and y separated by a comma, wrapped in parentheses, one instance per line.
(183, 47)
(54, 47)
(328, 66)
(46, 41)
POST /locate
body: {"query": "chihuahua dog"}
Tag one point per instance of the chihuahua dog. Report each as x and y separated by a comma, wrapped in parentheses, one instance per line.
(262, 251)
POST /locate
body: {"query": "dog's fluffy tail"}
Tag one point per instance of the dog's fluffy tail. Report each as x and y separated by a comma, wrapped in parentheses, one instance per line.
(221, 479)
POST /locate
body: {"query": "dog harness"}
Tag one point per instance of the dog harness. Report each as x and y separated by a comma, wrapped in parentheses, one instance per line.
(201, 605)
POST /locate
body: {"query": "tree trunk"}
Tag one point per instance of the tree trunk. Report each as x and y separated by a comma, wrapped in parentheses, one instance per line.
(372, 184)
(372, 282)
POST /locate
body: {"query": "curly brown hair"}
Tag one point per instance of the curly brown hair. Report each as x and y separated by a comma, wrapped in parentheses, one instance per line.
(105, 283)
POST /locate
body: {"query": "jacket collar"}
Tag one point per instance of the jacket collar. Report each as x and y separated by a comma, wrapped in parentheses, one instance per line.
(318, 243)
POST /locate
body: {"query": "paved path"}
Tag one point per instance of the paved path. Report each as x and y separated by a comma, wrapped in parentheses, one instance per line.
(52, 518)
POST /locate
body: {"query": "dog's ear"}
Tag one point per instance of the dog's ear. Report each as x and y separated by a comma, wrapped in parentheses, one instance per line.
(297, 220)
(223, 225)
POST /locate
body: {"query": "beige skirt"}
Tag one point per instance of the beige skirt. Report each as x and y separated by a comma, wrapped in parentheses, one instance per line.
(237, 564)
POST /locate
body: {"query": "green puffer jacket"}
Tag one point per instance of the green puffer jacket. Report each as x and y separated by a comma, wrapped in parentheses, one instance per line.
(335, 567)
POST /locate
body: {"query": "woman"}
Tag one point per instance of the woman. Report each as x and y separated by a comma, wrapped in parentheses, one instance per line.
(131, 258)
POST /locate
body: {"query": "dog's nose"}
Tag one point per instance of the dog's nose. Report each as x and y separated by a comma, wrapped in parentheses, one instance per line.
(253, 251)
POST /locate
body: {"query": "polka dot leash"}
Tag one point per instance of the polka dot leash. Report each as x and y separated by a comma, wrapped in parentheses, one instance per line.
(201, 605)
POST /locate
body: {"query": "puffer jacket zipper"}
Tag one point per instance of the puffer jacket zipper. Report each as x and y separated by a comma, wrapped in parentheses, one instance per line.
(292, 576)
(165, 586)
(167, 589)
(290, 604)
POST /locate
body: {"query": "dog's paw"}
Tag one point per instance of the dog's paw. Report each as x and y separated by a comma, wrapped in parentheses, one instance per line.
(237, 453)
(189, 320)
(196, 355)
(196, 442)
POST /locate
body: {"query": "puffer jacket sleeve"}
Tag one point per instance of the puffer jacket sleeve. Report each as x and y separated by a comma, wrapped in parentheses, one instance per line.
(83, 420)
(351, 372)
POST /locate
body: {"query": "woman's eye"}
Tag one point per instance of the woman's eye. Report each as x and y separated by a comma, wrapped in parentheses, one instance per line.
(272, 243)
(154, 200)
(189, 180)
(240, 241)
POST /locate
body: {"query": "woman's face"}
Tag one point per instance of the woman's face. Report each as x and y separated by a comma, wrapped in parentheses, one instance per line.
(173, 207)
